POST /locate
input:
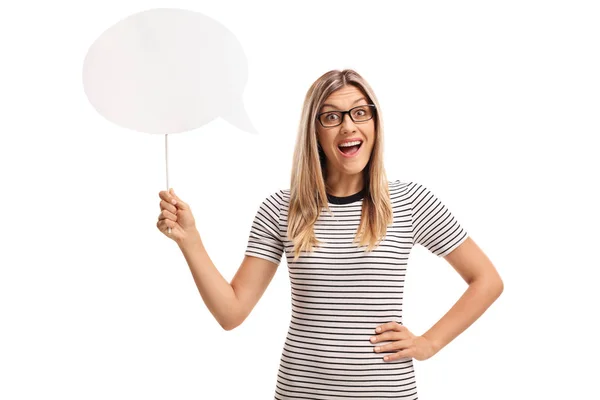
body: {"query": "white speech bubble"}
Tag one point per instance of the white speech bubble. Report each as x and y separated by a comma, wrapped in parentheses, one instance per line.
(167, 71)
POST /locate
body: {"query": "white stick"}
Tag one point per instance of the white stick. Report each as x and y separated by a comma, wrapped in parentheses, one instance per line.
(167, 164)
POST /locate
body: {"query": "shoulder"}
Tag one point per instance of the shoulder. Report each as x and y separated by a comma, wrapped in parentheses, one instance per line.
(276, 200)
(401, 189)
(410, 188)
(275, 197)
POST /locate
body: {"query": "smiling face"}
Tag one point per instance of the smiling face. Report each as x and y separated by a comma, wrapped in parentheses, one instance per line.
(343, 163)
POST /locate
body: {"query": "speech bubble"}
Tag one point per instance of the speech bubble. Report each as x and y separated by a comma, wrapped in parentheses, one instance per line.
(167, 70)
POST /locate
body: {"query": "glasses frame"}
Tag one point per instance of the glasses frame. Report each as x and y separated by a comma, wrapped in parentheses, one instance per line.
(372, 106)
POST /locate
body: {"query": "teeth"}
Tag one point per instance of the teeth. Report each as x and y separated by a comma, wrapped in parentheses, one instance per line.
(348, 144)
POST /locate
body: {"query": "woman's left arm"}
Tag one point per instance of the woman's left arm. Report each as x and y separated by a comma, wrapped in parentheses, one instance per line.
(485, 286)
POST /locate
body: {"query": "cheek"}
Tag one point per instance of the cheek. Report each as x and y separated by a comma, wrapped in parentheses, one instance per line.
(372, 135)
(369, 132)
(326, 142)
(372, 128)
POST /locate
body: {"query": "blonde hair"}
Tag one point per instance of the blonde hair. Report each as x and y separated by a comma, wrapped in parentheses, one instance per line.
(308, 194)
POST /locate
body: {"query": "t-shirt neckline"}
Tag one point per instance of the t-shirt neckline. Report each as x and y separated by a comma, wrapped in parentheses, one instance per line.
(346, 199)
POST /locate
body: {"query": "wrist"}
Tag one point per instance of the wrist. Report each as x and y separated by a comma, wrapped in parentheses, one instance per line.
(191, 240)
(435, 344)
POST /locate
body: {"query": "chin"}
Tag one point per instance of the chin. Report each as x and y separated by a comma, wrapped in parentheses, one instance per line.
(354, 169)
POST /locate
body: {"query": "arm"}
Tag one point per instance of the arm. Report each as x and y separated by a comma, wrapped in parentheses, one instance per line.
(485, 286)
(230, 304)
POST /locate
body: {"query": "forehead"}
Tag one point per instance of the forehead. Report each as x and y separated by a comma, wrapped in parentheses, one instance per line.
(344, 97)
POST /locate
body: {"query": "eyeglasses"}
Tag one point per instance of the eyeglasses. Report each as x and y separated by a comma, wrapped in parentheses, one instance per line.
(362, 113)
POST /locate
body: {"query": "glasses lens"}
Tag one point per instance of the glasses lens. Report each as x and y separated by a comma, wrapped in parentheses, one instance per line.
(332, 118)
(362, 113)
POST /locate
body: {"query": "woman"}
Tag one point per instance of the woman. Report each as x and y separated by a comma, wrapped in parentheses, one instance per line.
(347, 233)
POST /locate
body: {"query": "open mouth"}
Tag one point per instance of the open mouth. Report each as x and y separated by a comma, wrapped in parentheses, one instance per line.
(350, 150)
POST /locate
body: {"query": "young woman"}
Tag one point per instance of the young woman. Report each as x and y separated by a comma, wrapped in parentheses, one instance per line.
(347, 233)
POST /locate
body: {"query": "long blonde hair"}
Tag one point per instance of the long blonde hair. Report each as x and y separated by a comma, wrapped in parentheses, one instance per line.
(308, 194)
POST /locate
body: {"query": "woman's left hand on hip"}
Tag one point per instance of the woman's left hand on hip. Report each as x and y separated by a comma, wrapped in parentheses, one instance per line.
(404, 343)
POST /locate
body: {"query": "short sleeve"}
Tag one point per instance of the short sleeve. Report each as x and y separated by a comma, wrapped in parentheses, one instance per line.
(264, 240)
(434, 226)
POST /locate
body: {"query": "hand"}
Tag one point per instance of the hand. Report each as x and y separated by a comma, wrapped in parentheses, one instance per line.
(405, 345)
(176, 216)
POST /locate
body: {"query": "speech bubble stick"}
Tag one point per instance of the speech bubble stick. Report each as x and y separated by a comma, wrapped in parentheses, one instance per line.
(167, 164)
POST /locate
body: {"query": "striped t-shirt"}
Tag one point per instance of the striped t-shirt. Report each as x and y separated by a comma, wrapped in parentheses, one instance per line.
(340, 293)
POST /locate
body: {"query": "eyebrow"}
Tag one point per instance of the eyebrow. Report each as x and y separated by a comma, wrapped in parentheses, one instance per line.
(332, 106)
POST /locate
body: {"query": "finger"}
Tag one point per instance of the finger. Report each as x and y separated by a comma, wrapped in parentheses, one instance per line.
(396, 326)
(406, 353)
(385, 336)
(166, 214)
(166, 206)
(392, 325)
(394, 346)
(164, 224)
(181, 204)
(167, 197)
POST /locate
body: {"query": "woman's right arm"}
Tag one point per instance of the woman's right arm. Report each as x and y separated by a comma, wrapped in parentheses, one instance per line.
(229, 303)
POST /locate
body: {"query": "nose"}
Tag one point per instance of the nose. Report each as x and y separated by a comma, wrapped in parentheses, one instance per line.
(347, 123)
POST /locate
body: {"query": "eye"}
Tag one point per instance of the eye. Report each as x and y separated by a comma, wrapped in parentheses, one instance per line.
(331, 116)
(359, 112)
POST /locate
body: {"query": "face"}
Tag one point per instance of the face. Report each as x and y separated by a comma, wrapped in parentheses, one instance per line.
(348, 161)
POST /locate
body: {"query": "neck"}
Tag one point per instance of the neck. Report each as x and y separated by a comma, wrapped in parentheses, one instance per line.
(344, 185)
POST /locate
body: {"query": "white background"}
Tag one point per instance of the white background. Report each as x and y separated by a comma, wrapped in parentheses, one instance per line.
(492, 105)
